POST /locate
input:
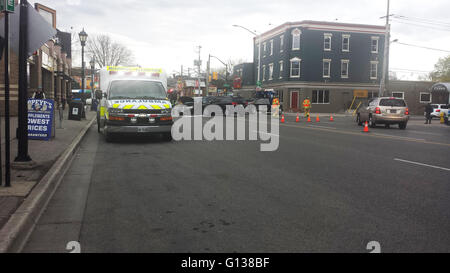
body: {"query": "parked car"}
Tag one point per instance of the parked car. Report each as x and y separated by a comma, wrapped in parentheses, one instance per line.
(438, 109)
(189, 102)
(385, 111)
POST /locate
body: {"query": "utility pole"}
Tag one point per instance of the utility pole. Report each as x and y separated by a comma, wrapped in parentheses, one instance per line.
(199, 64)
(22, 130)
(207, 74)
(7, 117)
(386, 53)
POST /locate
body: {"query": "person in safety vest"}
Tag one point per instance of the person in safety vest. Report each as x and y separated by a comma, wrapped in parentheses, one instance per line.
(307, 106)
(275, 107)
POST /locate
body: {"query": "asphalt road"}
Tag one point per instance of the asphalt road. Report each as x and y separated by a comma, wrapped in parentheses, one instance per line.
(328, 188)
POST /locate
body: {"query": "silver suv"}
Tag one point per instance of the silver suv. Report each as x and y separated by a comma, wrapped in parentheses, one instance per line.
(385, 110)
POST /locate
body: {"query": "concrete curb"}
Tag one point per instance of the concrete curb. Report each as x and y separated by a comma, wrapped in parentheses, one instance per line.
(17, 230)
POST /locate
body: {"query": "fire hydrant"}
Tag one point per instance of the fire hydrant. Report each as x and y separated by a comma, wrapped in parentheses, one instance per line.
(442, 118)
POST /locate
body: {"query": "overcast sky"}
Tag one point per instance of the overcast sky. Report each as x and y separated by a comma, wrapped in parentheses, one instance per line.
(166, 33)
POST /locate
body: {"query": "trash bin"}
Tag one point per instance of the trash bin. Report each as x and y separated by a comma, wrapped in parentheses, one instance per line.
(75, 110)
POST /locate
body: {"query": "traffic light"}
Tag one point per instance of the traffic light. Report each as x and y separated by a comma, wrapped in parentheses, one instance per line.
(215, 76)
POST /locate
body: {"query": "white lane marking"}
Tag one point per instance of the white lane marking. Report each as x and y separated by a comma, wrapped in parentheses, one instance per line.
(326, 127)
(266, 133)
(421, 164)
(425, 133)
(399, 137)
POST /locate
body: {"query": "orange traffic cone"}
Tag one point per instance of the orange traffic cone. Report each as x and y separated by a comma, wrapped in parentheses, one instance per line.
(317, 119)
(309, 118)
(331, 118)
(298, 118)
(282, 118)
(366, 128)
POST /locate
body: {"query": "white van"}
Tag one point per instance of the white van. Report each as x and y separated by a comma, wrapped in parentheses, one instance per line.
(134, 102)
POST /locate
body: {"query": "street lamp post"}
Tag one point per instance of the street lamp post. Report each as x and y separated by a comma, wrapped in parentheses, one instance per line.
(83, 38)
(92, 63)
(259, 49)
(226, 66)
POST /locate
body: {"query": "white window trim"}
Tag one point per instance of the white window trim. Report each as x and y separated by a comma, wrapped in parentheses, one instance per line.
(343, 39)
(323, 90)
(300, 67)
(348, 67)
(270, 71)
(281, 43)
(428, 93)
(264, 73)
(329, 68)
(375, 38)
(271, 47)
(281, 69)
(264, 49)
(299, 33)
(326, 36)
(399, 92)
(371, 63)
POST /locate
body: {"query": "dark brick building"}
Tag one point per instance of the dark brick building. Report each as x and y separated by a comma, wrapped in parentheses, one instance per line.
(324, 61)
(48, 69)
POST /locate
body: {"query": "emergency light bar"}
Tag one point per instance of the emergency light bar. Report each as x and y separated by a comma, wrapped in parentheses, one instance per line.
(133, 69)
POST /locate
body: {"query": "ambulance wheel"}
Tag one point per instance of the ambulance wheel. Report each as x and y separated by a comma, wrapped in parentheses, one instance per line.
(167, 137)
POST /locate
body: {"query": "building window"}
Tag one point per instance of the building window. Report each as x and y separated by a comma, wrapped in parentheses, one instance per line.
(281, 43)
(271, 47)
(344, 69)
(295, 68)
(326, 68)
(264, 49)
(398, 95)
(320, 96)
(425, 97)
(259, 51)
(327, 41)
(281, 69)
(296, 39)
(270, 72)
(372, 94)
(346, 43)
(373, 70)
(374, 45)
(263, 73)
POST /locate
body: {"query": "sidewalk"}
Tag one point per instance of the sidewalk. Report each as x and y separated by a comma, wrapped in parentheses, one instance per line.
(44, 153)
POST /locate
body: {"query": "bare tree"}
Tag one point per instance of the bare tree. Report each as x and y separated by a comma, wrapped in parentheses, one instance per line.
(108, 53)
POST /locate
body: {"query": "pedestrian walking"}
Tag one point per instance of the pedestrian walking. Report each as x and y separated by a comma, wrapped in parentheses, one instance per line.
(428, 111)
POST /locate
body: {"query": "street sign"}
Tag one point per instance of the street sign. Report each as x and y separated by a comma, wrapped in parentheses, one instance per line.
(7, 5)
(361, 93)
(39, 30)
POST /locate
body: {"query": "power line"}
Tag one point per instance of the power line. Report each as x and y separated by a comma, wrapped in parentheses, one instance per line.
(426, 21)
(419, 25)
(424, 47)
(409, 70)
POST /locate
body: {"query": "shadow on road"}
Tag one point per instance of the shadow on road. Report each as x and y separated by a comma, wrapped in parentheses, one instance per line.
(133, 139)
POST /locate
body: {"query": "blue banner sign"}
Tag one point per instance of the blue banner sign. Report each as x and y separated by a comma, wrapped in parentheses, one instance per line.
(40, 119)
